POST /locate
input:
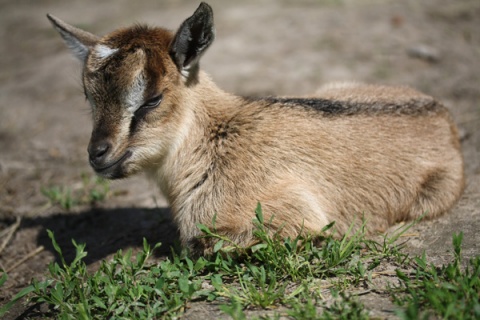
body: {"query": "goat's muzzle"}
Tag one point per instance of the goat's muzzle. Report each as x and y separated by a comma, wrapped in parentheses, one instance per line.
(101, 161)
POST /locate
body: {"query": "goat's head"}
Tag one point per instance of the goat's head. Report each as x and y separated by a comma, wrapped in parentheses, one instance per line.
(133, 78)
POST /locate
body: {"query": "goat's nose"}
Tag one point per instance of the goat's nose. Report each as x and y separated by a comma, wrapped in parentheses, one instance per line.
(98, 151)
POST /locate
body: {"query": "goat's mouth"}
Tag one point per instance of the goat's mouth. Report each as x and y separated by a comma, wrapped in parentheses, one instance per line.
(113, 169)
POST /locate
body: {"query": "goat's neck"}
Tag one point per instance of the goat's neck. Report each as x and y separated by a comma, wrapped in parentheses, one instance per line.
(204, 103)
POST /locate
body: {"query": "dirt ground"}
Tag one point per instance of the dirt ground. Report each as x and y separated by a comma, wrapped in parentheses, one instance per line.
(262, 48)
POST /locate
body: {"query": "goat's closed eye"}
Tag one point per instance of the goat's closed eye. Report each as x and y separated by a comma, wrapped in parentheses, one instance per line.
(153, 102)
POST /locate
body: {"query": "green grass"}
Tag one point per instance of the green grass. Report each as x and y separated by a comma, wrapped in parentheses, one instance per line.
(92, 190)
(447, 292)
(302, 278)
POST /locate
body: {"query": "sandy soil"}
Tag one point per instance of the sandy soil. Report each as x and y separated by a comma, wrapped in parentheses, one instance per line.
(262, 48)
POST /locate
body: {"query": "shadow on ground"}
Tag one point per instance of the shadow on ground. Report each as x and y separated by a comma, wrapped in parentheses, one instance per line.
(105, 231)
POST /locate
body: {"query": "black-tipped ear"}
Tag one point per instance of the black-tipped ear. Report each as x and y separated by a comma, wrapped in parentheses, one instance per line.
(78, 41)
(192, 39)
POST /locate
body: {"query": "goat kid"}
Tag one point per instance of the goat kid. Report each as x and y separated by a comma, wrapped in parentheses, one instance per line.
(388, 153)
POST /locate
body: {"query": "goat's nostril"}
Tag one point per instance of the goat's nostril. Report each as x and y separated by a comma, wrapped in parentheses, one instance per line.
(98, 151)
(101, 150)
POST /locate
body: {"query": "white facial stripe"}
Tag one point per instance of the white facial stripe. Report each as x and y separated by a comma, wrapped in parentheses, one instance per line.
(90, 100)
(185, 72)
(134, 98)
(124, 130)
(103, 51)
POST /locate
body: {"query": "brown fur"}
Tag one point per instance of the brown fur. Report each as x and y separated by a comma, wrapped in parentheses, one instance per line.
(388, 153)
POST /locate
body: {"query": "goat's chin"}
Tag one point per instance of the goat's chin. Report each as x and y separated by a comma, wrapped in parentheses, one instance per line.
(113, 173)
(119, 169)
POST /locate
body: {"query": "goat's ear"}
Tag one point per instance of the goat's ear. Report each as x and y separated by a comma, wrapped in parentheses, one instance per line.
(78, 41)
(191, 40)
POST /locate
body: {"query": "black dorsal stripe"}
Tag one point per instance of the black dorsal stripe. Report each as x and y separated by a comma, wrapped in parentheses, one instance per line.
(326, 106)
(345, 108)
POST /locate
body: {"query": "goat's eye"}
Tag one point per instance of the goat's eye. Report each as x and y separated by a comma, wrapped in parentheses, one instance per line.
(153, 102)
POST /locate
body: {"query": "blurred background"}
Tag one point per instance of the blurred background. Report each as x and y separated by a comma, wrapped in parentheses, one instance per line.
(262, 48)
